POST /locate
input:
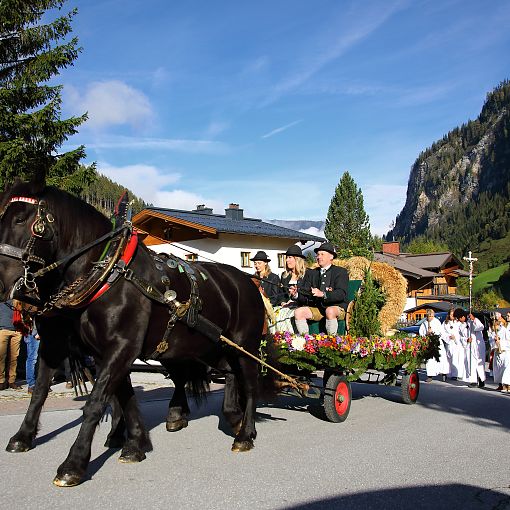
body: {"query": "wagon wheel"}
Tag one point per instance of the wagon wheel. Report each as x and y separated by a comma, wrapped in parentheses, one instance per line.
(337, 398)
(410, 387)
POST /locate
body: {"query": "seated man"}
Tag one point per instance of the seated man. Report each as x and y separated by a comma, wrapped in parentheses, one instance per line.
(324, 292)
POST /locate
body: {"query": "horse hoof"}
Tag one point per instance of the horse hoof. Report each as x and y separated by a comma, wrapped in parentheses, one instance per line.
(174, 426)
(242, 446)
(67, 480)
(17, 446)
(132, 457)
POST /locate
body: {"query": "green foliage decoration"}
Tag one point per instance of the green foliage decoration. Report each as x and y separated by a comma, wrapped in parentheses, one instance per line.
(367, 305)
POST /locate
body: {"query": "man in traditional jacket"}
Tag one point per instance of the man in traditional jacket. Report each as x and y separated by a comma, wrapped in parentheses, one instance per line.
(323, 293)
(475, 353)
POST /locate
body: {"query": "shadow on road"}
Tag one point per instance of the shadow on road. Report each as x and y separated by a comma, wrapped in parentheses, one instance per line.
(451, 496)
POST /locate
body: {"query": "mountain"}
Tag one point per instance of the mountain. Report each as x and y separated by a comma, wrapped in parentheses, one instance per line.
(459, 188)
(315, 228)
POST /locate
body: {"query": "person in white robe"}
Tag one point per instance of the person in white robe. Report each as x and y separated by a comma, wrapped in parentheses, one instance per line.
(499, 338)
(457, 362)
(432, 326)
(475, 353)
(449, 334)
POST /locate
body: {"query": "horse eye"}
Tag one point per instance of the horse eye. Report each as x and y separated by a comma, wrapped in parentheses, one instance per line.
(20, 220)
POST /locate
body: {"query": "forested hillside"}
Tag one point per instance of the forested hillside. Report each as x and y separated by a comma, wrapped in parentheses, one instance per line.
(104, 194)
(459, 188)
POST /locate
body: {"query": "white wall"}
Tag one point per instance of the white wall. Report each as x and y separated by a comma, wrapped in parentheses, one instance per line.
(228, 247)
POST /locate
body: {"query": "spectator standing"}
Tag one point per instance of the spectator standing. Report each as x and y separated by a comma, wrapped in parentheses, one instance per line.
(10, 341)
(499, 339)
(32, 343)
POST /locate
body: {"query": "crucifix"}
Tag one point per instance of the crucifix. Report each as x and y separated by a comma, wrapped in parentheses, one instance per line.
(470, 259)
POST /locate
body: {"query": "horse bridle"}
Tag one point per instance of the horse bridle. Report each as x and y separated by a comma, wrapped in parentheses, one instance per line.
(41, 229)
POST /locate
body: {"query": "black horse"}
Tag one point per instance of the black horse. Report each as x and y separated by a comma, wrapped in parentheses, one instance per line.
(50, 245)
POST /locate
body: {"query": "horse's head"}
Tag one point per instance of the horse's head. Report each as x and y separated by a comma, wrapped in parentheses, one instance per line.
(26, 238)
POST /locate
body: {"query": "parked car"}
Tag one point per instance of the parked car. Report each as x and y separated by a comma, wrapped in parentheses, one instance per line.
(414, 329)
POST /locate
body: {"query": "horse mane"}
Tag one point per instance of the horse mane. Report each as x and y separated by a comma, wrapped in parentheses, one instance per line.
(65, 207)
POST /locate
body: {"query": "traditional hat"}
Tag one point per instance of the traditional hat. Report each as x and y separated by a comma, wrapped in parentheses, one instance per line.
(261, 255)
(326, 247)
(294, 251)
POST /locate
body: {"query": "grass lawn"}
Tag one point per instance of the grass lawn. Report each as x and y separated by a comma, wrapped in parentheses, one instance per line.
(490, 278)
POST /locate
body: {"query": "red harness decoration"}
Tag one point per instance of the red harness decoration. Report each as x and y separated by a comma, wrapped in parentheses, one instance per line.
(127, 256)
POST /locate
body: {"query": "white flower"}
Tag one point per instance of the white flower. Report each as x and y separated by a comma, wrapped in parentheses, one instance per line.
(298, 343)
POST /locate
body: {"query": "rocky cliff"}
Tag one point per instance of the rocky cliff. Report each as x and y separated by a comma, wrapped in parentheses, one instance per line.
(459, 188)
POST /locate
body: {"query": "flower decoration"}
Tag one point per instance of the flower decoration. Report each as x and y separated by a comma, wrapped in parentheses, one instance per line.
(354, 355)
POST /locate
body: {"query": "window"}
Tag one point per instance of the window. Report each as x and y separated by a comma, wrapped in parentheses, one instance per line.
(191, 257)
(245, 259)
(281, 259)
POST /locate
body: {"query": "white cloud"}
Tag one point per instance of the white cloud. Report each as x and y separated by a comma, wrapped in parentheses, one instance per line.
(215, 128)
(112, 103)
(166, 144)
(280, 129)
(382, 203)
(144, 180)
(180, 199)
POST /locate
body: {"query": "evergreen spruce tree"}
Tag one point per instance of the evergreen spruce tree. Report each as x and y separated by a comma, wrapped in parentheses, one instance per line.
(365, 316)
(31, 131)
(347, 225)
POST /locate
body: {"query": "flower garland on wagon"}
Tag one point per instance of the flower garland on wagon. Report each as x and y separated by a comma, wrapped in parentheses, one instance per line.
(354, 355)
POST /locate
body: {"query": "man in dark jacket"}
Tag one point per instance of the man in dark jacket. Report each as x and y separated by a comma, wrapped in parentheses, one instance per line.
(323, 294)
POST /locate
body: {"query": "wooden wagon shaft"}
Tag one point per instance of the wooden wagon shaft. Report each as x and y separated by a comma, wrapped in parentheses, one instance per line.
(301, 387)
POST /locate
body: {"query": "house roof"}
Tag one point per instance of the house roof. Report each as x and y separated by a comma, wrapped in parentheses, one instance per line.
(405, 267)
(431, 260)
(213, 224)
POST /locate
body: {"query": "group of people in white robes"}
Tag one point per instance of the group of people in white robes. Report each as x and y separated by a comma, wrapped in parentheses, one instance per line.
(499, 339)
(462, 351)
(461, 347)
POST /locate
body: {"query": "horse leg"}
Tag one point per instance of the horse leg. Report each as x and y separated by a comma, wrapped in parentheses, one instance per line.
(113, 372)
(23, 439)
(243, 440)
(117, 435)
(138, 441)
(232, 409)
(178, 408)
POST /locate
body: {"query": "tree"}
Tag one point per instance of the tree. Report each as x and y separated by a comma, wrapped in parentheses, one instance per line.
(347, 224)
(31, 131)
(421, 244)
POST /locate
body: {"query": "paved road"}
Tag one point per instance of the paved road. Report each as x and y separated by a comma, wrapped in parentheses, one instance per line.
(450, 450)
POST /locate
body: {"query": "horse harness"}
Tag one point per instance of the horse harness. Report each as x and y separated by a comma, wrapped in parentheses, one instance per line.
(105, 273)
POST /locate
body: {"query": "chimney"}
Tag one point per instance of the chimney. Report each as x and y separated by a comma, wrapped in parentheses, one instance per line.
(202, 209)
(391, 248)
(233, 212)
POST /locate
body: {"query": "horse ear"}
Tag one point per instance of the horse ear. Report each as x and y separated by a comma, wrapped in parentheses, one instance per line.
(38, 181)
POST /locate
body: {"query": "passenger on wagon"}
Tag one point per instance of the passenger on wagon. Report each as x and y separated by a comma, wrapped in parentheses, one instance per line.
(295, 269)
(323, 294)
(269, 283)
(291, 278)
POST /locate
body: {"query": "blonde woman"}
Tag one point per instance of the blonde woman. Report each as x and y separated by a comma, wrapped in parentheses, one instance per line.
(295, 270)
(291, 278)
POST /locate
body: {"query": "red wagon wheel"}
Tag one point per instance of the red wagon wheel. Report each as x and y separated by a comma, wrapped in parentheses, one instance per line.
(337, 398)
(410, 387)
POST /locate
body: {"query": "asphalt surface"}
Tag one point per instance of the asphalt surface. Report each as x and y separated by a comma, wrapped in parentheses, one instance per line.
(450, 450)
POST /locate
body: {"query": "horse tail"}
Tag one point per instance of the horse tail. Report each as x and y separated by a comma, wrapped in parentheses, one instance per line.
(198, 382)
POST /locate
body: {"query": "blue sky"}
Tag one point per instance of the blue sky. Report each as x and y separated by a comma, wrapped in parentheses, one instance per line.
(267, 103)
